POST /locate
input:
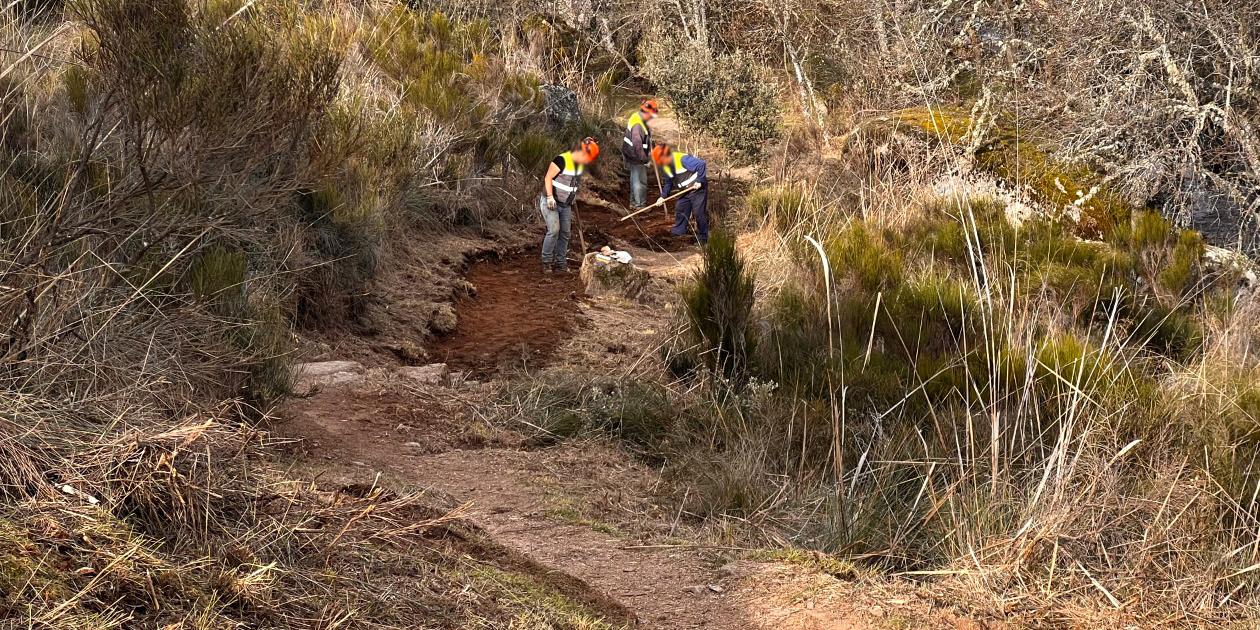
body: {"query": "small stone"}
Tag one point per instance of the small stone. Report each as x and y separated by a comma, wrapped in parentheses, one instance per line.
(414, 445)
(716, 588)
(326, 368)
(311, 376)
(433, 374)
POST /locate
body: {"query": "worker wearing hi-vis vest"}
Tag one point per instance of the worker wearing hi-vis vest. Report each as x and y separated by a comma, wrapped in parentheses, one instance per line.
(685, 172)
(560, 190)
(636, 148)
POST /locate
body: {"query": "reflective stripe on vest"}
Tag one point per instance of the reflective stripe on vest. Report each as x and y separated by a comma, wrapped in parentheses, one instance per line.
(682, 177)
(637, 120)
(568, 179)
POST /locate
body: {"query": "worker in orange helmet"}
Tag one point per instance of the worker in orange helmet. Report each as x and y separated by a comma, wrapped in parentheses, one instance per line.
(636, 148)
(560, 190)
(685, 172)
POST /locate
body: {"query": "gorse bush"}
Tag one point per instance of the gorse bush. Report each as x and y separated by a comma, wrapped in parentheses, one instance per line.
(534, 149)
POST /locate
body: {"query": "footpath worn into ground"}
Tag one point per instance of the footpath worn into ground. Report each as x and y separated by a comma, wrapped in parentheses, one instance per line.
(583, 514)
(580, 512)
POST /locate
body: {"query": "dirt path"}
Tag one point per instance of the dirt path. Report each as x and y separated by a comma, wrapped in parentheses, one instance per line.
(516, 316)
(665, 588)
(582, 511)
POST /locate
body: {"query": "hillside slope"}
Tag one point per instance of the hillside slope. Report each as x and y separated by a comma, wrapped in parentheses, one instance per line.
(974, 345)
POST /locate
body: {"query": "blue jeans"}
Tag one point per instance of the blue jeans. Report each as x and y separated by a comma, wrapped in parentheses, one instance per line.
(638, 184)
(693, 204)
(555, 246)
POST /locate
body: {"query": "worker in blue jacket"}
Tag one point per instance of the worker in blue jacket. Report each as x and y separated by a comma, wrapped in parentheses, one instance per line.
(685, 172)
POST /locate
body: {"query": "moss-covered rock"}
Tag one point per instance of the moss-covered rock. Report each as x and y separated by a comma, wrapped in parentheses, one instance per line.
(1017, 157)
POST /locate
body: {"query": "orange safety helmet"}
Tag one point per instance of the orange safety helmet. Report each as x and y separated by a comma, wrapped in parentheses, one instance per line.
(661, 154)
(649, 106)
(591, 147)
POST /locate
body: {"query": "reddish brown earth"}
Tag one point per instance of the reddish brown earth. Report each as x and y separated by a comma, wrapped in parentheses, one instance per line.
(516, 316)
(582, 516)
(649, 230)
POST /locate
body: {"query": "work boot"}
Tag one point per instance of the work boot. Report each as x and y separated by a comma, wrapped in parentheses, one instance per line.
(563, 268)
(547, 268)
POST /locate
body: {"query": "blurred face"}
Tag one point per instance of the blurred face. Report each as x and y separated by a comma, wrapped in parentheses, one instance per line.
(646, 115)
(582, 157)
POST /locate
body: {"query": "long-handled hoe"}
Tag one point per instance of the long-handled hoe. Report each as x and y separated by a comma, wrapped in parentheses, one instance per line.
(658, 202)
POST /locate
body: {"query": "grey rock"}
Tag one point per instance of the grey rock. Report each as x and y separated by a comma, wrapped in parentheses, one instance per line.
(560, 104)
(326, 368)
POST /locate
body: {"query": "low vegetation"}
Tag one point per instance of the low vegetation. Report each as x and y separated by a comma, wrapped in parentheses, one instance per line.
(1058, 409)
(950, 389)
(183, 187)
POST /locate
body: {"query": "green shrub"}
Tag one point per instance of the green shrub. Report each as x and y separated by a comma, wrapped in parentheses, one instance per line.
(728, 97)
(791, 208)
(218, 277)
(739, 485)
(719, 306)
(345, 236)
(639, 413)
(1070, 365)
(1170, 332)
(78, 84)
(931, 315)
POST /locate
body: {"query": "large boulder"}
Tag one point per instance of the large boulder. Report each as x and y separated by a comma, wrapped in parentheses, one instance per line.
(560, 104)
(610, 277)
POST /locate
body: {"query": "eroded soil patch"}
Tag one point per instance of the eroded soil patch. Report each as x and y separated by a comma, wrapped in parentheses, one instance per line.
(517, 316)
(650, 230)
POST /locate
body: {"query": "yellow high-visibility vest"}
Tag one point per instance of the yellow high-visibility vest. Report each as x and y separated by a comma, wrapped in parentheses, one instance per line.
(567, 181)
